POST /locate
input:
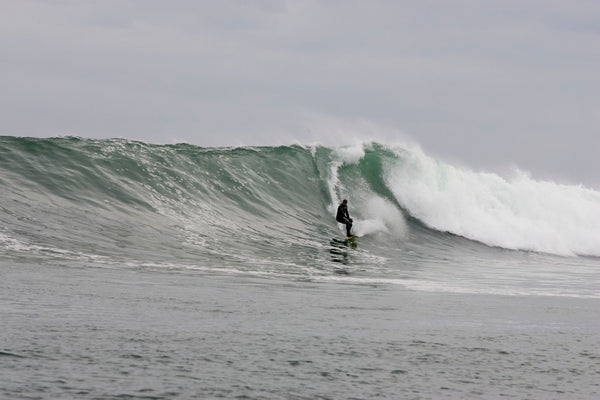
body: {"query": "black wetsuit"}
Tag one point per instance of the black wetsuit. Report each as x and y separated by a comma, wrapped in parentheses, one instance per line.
(344, 218)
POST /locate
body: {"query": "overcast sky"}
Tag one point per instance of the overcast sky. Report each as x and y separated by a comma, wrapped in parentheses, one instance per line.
(488, 84)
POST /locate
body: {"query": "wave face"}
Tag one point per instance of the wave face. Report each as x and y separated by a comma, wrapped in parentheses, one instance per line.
(269, 210)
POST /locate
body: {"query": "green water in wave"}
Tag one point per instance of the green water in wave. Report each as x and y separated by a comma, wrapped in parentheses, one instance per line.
(259, 211)
(130, 200)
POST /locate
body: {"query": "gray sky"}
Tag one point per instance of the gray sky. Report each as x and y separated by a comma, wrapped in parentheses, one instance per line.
(487, 84)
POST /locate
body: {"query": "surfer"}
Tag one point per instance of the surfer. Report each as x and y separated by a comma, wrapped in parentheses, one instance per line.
(343, 217)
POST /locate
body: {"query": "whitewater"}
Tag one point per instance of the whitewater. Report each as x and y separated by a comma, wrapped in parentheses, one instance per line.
(174, 271)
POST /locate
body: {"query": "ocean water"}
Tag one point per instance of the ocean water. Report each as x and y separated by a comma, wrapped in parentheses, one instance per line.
(132, 270)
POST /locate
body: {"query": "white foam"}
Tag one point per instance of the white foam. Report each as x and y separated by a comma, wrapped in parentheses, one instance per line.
(442, 287)
(351, 154)
(380, 216)
(342, 156)
(20, 246)
(515, 213)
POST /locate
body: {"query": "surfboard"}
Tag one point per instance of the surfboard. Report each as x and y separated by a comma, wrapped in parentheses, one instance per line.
(352, 237)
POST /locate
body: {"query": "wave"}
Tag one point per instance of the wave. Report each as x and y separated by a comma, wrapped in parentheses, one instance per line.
(121, 200)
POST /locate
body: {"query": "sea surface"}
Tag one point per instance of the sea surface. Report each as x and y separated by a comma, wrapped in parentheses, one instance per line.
(132, 270)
